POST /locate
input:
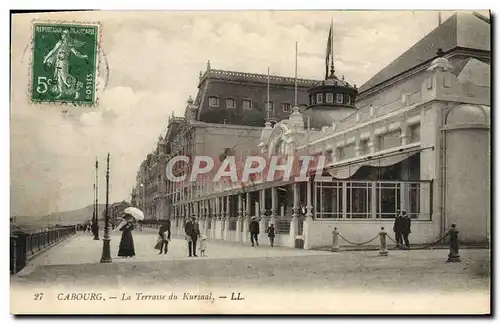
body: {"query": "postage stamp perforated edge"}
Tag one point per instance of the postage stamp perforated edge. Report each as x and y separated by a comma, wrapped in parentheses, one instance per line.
(98, 59)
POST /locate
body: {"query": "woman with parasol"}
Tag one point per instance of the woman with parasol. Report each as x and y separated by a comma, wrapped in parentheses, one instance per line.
(131, 215)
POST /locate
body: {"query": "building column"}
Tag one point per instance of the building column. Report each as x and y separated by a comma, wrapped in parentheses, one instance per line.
(274, 196)
(246, 219)
(374, 202)
(263, 217)
(226, 219)
(309, 219)
(294, 224)
(240, 217)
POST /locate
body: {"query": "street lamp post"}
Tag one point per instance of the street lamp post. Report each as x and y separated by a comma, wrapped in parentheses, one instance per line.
(106, 251)
(96, 214)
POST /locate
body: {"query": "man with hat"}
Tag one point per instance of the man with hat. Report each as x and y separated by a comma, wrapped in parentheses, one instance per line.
(192, 231)
(398, 229)
(405, 227)
(254, 231)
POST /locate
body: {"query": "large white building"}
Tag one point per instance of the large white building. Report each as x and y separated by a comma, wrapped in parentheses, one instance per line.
(416, 137)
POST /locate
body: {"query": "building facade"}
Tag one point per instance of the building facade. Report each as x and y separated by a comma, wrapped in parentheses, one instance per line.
(415, 137)
(226, 118)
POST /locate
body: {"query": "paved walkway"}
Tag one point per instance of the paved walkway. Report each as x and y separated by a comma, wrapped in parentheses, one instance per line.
(82, 249)
(273, 280)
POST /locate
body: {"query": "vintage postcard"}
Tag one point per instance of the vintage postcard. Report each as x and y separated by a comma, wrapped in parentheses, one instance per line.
(250, 162)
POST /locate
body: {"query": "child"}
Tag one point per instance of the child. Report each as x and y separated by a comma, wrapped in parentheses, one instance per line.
(270, 233)
(203, 245)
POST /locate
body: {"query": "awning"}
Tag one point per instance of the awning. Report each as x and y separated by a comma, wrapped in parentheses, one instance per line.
(347, 171)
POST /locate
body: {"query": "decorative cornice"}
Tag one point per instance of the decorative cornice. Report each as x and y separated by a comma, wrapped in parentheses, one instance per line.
(253, 77)
(362, 95)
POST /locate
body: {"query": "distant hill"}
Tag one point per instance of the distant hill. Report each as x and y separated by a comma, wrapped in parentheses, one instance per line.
(71, 217)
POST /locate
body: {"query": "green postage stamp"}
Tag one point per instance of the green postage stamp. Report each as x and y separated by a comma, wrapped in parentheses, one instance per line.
(64, 63)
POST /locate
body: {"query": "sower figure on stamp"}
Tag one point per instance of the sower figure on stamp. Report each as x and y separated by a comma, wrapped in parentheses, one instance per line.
(398, 229)
(58, 57)
(405, 228)
(254, 231)
(164, 234)
(192, 231)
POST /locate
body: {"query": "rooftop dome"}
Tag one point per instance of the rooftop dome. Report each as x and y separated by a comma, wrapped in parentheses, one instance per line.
(330, 101)
(333, 99)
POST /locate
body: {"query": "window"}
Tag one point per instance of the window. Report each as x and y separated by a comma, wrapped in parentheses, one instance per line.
(213, 102)
(230, 103)
(319, 98)
(286, 107)
(329, 97)
(339, 98)
(247, 104)
(270, 106)
(348, 100)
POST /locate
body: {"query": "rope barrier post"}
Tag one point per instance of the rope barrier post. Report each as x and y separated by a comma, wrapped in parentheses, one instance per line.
(383, 243)
(453, 256)
(335, 243)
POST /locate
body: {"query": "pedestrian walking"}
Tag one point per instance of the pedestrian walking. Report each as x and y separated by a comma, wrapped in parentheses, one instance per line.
(192, 230)
(405, 228)
(164, 237)
(126, 248)
(254, 231)
(270, 234)
(398, 230)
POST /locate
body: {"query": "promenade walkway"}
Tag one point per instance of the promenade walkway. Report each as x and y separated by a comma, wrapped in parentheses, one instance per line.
(82, 249)
(418, 281)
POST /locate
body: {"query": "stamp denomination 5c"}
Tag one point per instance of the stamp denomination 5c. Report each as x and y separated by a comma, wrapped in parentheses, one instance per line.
(64, 64)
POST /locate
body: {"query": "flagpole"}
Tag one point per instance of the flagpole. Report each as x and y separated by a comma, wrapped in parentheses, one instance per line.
(296, 57)
(268, 103)
(331, 43)
(439, 18)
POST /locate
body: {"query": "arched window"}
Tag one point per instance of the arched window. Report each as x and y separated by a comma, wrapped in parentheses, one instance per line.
(319, 98)
(247, 104)
(213, 102)
(230, 103)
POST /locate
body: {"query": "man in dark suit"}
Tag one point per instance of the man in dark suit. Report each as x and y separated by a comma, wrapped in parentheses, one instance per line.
(405, 228)
(164, 234)
(254, 231)
(192, 231)
(398, 229)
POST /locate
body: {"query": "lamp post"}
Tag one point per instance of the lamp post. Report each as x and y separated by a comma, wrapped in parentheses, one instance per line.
(143, 197)
(96, 213)
(106, 251)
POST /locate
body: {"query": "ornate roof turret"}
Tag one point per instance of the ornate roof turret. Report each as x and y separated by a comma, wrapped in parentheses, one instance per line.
(440, 63)
(191, 109)
(331, 100)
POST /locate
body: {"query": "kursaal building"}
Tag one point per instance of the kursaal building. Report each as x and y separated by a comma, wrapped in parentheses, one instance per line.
(415, 137)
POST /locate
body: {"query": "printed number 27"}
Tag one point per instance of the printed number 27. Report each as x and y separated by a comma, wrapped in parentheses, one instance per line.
(38, 296)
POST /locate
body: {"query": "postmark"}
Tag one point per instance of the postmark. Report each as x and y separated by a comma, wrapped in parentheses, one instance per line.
(64, 65)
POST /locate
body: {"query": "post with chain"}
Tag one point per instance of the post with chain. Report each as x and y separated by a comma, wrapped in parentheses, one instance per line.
(335, 243)
(453, 256)
(383, 242)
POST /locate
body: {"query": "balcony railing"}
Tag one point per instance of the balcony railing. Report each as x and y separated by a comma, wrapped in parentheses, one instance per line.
(23, 245)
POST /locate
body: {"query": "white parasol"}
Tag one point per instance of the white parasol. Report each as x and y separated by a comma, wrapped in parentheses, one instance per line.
(134, 212)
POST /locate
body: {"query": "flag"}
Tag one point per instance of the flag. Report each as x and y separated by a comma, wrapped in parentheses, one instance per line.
(328, 49)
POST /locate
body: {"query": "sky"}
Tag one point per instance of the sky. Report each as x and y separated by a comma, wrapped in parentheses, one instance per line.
(153, 63)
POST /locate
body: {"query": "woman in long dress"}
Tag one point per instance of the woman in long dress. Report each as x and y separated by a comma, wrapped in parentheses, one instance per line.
(127, 242)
